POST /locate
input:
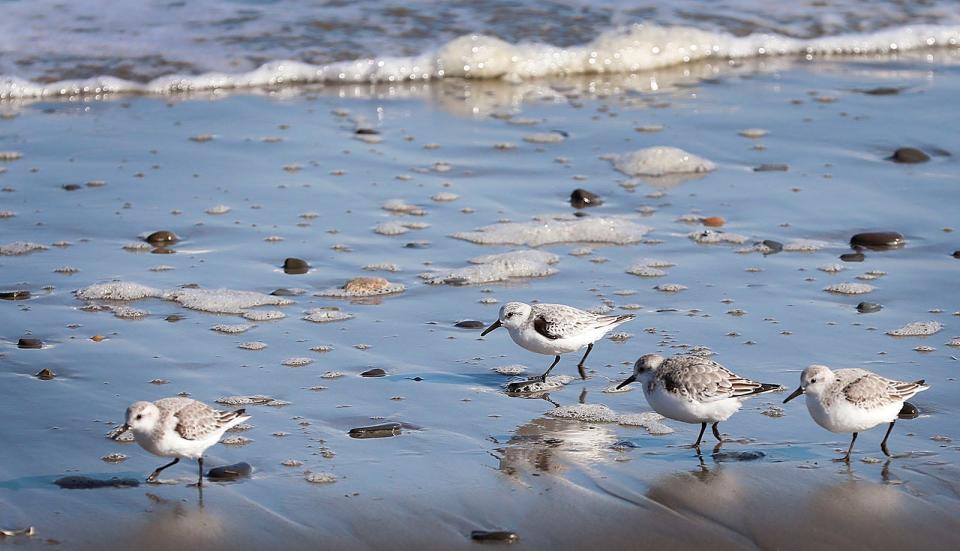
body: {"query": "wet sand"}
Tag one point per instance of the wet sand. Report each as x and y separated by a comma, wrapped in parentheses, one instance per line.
(482, 460)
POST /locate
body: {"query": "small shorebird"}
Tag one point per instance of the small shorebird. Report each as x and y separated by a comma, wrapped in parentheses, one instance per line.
(693, 389)
(181, 428)
(855, 400)
(554, 329)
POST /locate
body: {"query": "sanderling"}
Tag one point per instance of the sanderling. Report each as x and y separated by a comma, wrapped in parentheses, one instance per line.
(854, 400)
(554, 329)
(693, 389)
(177, 427)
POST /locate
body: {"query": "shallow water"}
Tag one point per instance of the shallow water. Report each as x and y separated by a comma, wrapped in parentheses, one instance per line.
(482, 459)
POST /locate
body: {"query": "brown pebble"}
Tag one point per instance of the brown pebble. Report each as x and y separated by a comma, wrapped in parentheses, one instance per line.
(956, 254)
(45, 374)
(713, 221)
(879, 240)
(470, 324)
(909, 155)
(365, 284)
(162, 237)
(771, 168)
(852, 257)
(71, 187)
(375, 372)
(27, 342)
(97, 338)
(174, 317)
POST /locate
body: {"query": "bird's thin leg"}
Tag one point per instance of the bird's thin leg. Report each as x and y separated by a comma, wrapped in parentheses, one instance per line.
(543, 377)
(883, 445)
(846, 458)
(703, 427)
(200, 478)
(716, 433)
(153, 476)
(583, 372)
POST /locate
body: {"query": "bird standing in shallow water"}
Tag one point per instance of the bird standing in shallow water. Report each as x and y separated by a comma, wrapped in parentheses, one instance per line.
(178, 427)
(693, 389)
(554, 329)
(855, 400)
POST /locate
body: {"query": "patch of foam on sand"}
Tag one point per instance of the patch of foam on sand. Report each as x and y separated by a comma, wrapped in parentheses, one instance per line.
(497, 267)
(552, 231)
(218, 301)
(599, 413)
(660, 161)
(324, 315)
(917, 329)
(18, 248)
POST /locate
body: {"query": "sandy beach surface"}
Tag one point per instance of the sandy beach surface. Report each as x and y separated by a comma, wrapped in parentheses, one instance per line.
(427, 184)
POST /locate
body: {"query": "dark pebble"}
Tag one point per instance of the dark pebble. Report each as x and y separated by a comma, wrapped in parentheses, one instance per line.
(469, 324)
(852, 257)
(909, 155)
(295, 266)
(881, 91)
(375, 372)
(774, 246)
(624, 445)
(15, 295)
(45, 374)
(417, 245)
(230, 472)
(908, 411)
(497, 536)
(771, 168)
(87, 483)
(581, 199)
(417, 379)
(174, 317)
(283, 293)
(580, 214)
(868, 307)
(366, 131)
(71, 187)
(162, 237)
(877, 240)
(376, 431)
(27, 342)
(726, 457)
(956, 254)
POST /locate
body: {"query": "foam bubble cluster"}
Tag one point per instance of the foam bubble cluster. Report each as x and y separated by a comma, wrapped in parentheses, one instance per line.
(917, 329)
(497, 267)
(612, 230)
(660, 161)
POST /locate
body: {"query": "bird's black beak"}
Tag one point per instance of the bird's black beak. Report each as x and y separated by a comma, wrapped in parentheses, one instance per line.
(627, 381)
(796, 393)
(117, 431)
(495, 325)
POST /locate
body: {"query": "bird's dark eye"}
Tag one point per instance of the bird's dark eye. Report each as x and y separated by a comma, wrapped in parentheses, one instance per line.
(139, 417)
(812, 381)
(510, 315)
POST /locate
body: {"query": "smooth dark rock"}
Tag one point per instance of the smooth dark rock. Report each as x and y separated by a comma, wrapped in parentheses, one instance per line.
(881, 91)
(774, 246)
(15, 295)
(27, 342)
(956, 254)
(283, 293)
(771, 168)
(375, 372)
(174, 317)
(71, 187)
(230, 472)
(87, 483)
(497, 536)
(417, 245)
(295, 266)
(852, 257)
(366, 131)
(908, 411)
(384, 430)
(909, 155)
(869, 307)
(470, 324)
(581, 199)
(580, 214)
(877, 240)
(726, 457)
(162, 237)
(45, 374)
